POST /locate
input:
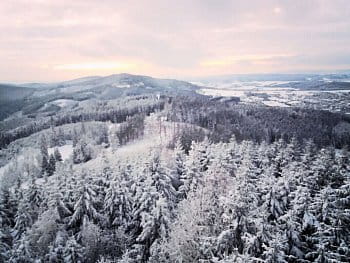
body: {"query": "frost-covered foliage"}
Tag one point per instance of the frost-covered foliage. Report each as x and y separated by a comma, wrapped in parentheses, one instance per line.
(226, 202)
(209, 197)
(101, 111)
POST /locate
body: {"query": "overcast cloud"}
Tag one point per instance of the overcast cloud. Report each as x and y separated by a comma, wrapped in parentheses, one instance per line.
(45, 40)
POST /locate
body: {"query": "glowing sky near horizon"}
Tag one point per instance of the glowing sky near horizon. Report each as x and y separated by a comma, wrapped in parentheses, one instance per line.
(44, 40)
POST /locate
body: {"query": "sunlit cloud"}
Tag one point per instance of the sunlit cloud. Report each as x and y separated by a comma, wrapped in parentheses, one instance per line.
(96, 66)
(277, 10)
(254, 59)
(170, 38)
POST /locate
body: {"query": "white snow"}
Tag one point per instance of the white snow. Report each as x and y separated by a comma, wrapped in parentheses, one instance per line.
(65, 150)
(249, 92)
(273, 103)
(139, 149)
(64, 103)
(223, 92)
(335, 91)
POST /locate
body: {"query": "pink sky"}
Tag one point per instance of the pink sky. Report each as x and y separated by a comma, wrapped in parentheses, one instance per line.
(43, 40)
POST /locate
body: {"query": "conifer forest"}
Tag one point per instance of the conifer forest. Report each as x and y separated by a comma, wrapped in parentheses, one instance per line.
(159, 176)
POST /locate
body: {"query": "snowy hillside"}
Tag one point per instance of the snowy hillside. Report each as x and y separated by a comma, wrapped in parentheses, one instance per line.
(117, 81)
(135, 169)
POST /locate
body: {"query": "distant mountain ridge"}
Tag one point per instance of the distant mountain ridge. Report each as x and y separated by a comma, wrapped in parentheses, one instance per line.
(122, 78)
(112, 86)
(10, 92)
(12, 99)
(275, 77)
(33, 97)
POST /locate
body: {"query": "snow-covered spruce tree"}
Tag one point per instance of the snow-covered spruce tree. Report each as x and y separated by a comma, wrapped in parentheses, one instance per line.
(308, 156)
(341, 169)
(73, 252)
(91, 241)
(216, 185)
(241, 205)
(117, 205)
(332, 208)
(27, 202)
(6, 222)
(53, 137)
(21, 252)
(179, 163)
(51, 167)
(42, 233)
(298, 217)
(274, 252)
(61, 137)
(57, 155)
(238, 258)
(279, 161)
(154, 201)
(162, 214)
(30, 167)
(276, 200)
(318, 224)
(183, 244)
(294, 246)
(196, 164)
(60, 207)
(292, 152)
(143, 226)
(75, 137)
(285, 155)
(84, 209)
(322, 239)
(160, 178)
(193, 234)
(23, 219)
(103, 136)
(44, 155)
(60, 192)
(34, 198)
(103, 180)
(113, 139)
(57, 247)
(341, 219)
(231, 157)
(303, 219)
(321, 171)
(82, 151)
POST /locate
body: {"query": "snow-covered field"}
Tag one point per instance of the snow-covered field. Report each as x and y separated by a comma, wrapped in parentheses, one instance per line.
(335, 91)
(273, 103)
(64, 103)
(157, 136)
(277, 97)
(222, 92)
(65, 150)
(268, 93)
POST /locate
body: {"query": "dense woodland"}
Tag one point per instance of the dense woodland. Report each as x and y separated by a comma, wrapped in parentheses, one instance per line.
(102, 113)
(259, 123)
(242, 183)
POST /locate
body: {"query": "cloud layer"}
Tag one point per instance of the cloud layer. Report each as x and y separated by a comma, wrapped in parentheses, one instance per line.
(43, 40)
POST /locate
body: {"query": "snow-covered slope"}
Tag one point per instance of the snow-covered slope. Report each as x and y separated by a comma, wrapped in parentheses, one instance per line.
(113, 85)
(66, 151)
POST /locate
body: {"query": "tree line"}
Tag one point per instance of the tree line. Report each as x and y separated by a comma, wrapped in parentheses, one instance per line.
(261, 123)
(114, 115)
(221, 202)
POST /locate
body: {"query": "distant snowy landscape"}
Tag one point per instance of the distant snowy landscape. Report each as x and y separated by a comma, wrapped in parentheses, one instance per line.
(129, 168)
(283, 93)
